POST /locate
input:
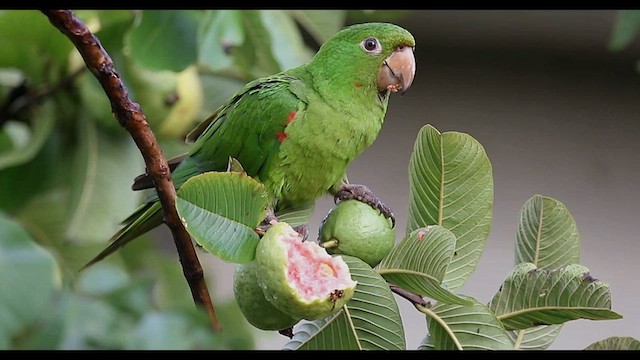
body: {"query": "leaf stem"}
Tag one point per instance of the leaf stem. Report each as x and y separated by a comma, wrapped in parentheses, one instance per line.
(415, 299)
(425, 310)
(329, 244)
(130, 116)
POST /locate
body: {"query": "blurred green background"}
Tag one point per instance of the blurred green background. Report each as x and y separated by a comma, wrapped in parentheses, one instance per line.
(552, 95)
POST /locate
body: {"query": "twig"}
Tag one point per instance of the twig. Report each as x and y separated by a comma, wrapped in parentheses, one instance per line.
(415, 299)
(131, 117)
(20, 98)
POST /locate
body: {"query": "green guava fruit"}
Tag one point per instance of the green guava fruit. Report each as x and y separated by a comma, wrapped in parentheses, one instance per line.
(299, 277)
(357, 229)
(258, 311)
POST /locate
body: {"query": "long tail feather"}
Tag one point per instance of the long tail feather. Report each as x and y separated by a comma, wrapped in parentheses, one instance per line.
(145, 218)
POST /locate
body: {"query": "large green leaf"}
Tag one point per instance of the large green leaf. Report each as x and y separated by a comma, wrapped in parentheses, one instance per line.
(287, 44)
(625, 29)
(221, 211)
(164, 40)
(547, 237)
(451, 185)
(101, 193)
(28, 276)
(255, 55)
(616, 343)
(547, 234)
(465, 327)
(321, 24)
(419, 262)
(530, 297)
(369, 321)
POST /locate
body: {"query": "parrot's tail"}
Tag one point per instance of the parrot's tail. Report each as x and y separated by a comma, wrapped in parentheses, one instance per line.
(145, 218)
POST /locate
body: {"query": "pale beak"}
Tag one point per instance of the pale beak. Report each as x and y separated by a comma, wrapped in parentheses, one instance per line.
(397, 71)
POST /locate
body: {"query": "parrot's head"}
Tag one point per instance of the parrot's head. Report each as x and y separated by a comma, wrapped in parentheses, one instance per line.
(376, 55)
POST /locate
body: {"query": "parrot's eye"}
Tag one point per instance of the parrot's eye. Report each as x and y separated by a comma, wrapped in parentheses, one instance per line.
(371, 45)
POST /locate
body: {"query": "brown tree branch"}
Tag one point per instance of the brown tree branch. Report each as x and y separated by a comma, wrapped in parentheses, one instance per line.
(134, 121)
(415, 299)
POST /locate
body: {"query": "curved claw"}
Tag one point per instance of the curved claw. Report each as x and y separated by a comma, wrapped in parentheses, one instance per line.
(365, 195)
(269, 220)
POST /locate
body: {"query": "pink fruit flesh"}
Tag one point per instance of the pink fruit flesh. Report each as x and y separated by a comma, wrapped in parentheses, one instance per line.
(313, 272)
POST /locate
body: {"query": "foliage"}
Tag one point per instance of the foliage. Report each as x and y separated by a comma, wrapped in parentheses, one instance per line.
(66, 167)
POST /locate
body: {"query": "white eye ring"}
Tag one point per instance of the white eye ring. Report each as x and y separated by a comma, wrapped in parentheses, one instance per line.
(371, 45)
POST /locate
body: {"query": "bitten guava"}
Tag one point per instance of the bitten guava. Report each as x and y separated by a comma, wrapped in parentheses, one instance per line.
(299, 277)
(357, 229)
(258, 311)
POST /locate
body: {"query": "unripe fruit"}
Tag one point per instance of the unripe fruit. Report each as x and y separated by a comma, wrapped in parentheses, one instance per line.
(357, 229)
(258, 311)
(299, 277)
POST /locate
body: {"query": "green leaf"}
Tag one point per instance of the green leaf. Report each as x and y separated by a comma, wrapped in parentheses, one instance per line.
(43, 123)
(369, 321)
(451, 185)
(239, 43)
(28, 274)
(625, 29)
(321, 24)
(255, 55)
(298, 215)
(219, 31)
(164, 40)
(466, 327)
(616, 343)
(547, 234)
(287, 46)
(221, 210)
(547, 237)
(535, 338)
(419, 262)
(99, 199)
(531, 297)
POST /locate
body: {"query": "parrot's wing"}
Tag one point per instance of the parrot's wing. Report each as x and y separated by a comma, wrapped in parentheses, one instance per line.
(248, 128)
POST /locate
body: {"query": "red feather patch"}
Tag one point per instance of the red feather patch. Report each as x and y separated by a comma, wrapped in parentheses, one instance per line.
(281, 136)
(290, 117)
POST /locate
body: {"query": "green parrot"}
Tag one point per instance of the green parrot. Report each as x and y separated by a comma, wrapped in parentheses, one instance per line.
(298, 130)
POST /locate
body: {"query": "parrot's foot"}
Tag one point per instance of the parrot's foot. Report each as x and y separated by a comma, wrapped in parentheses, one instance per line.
(302, 230)
(365, 195)
(269, 220)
